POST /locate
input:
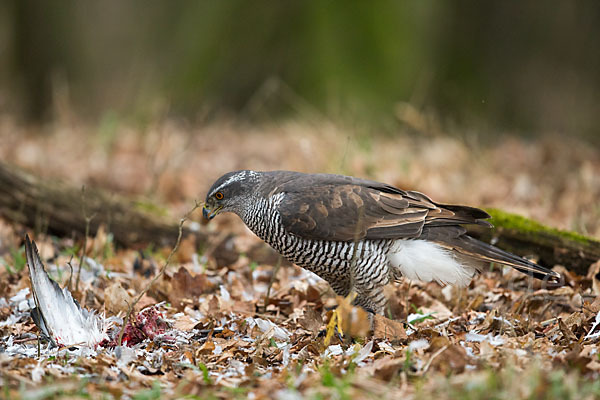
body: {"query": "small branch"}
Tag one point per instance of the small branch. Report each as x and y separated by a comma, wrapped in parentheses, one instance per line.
(160, 273)
(433, 357)
(267, 296)
(88, 219)
(70, 284)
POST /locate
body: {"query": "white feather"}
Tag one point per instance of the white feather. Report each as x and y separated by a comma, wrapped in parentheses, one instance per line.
(427, 261)
(64, 321)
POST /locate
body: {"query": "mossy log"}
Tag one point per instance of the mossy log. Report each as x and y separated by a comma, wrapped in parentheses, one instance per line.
(64, 210)
(59, 209)
(551, 246)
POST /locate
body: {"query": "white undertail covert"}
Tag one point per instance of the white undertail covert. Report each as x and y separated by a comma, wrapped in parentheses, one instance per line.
(427, 261)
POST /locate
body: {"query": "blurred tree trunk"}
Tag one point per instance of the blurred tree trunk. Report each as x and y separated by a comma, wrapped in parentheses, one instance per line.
(35, 55)
(64, 210)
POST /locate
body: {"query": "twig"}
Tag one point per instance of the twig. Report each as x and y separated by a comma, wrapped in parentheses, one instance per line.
(433, 357)
(25, 340)
(160, 273)
(88, 219)
(548, 321)
(277, 266)
(70, 284)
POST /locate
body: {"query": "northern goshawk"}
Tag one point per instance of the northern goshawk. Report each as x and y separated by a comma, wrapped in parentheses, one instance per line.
(359, 234)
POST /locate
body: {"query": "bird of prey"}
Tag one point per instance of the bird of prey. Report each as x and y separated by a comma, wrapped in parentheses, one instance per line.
(360, 235)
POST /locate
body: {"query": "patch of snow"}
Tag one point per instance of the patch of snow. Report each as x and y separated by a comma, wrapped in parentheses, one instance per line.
(418, 344)
(386, 346)
(25, 305)
(475, 337)
(504, 321)
(37, 373)
(225, 296)
(20, 296)
(11, 320)
(333, 350)
(288, 394)
(269, 328)
(364, 352)
(478, 338)
(217, 350)
(125, 355)
(520, 352)
(468, 349)
(447, 292)
(286, 355)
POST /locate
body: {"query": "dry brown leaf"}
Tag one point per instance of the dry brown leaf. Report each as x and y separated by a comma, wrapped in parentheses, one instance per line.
(567, 333)
(116, 299)
(99, 243)
(145, 302)
(186, 250)
(387, 367)
(207, 348)
(354, 320)
(186, 287)
(384, 328)
(452, 360)
(184, 323)
(311, 320)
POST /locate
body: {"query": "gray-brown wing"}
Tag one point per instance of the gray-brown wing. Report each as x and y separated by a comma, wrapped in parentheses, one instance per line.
(347, 212)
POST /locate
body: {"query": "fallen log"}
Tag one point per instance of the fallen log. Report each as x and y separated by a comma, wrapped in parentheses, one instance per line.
(64, 210)
(59, 209)
(550, 246)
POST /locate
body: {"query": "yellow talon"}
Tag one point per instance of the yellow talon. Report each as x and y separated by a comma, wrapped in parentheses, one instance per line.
(337, 317)
(339, 323)
(331, 327)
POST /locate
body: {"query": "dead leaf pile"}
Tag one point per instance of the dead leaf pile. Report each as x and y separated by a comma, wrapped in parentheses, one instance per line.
(225, 322)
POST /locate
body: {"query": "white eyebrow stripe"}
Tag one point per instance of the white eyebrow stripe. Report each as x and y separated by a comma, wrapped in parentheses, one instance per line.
(234, 178)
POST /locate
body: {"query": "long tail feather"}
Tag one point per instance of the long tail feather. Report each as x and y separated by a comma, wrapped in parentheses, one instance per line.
(479, 250)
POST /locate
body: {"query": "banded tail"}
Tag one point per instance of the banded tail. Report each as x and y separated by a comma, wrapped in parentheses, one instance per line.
(478, 250)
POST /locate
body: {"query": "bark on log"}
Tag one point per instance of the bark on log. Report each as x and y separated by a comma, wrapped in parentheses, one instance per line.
(59, 209)
(526, 237)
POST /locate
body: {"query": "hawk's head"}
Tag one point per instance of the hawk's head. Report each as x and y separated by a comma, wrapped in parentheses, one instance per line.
(230, 192)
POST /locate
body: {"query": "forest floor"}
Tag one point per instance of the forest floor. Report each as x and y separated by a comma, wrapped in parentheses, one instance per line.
(232, 320)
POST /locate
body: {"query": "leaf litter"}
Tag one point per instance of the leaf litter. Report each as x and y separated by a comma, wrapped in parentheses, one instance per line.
(206, 327)
(216, 335)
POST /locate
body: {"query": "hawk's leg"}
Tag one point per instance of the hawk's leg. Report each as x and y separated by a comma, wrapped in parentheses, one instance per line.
(340, 286)
(369, 281)
(373, 301)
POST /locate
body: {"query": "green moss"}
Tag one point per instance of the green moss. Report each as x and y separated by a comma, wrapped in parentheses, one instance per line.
(150, 208)
(502, 219)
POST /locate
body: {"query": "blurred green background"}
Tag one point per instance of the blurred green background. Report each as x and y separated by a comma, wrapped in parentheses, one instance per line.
(524, 66)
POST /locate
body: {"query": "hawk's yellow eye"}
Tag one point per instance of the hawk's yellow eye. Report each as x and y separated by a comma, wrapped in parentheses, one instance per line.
(219, 196)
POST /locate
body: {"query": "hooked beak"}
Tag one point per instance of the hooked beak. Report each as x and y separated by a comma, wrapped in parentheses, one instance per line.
(208, 213)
